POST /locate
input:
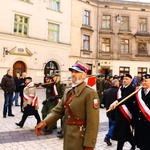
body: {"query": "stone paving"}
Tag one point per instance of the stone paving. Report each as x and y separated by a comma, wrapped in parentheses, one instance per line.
(14, 138)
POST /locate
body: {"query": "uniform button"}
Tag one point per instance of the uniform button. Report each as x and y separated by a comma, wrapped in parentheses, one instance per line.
(68, 116)
(140, 111)
(94, 141)
(139, 119)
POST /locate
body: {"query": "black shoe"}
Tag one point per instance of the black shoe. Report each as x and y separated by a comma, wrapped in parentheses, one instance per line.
(11, 115)
(19, 124)
(108, 142)
(60, 135)
(4, 116)
(47, 132)
(132, 148)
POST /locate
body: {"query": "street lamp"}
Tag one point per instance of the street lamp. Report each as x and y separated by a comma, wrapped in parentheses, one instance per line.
(5, 51)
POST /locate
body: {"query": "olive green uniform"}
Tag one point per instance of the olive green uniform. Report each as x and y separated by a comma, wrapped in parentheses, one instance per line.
(84, 109)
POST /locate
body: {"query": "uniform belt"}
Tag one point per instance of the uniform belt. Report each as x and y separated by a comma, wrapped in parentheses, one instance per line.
(75, 122)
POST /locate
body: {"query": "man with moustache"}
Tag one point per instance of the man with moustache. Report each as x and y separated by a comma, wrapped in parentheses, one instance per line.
(80, 107)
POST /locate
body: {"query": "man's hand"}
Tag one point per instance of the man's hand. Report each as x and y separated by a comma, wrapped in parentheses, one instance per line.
(88, 148)
(39, 127)
(113, 105)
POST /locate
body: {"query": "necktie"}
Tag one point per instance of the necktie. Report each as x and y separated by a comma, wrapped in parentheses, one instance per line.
(145, 91)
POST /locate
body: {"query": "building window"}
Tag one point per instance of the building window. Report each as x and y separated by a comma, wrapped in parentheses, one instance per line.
(53, 32)
(86, 17)
(143, 24)
(124, 46)
(21, 25)
(124, 70)
(124, 23)
(142, 71)
(55, 5)
(105, 44)
(142, 48)
(50, 68)
(86, 42)
(106, 21)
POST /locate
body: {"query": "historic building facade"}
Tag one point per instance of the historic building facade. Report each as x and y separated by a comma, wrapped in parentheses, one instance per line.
(35, 37)
(113, 36)
(45, 36)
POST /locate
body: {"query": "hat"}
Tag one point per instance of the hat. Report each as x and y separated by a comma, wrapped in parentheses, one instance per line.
(29, 78)
(48, 77)
(146, 76)
(126, 75)
(56, 74)
(110, 76)
(80, 67)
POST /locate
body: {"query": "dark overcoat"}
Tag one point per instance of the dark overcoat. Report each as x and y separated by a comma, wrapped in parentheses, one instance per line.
(142, 125)
(122, 129)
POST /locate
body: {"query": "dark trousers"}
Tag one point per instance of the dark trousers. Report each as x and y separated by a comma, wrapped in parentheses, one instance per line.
(28, 111)
(21, 102)
(121, 143)
(7, 103)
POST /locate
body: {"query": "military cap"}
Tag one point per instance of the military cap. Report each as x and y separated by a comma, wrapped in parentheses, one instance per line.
(49, 77)
(110, 76)
(80, 67)
(29, 78)
(126, 75)
(146, 76)
(56, 74)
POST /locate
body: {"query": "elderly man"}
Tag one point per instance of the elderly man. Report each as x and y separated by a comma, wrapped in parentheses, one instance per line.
(123, 113)
(80, 107)
(30, 103)
(142, 115)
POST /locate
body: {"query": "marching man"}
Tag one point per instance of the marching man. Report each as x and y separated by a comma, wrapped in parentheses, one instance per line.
(142, 115)
(80, 107)
(30, 104)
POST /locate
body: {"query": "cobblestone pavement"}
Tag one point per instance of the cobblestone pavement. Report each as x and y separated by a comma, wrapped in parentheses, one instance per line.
(14, 138)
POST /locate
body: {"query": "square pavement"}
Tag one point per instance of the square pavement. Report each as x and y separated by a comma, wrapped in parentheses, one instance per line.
(13, 137)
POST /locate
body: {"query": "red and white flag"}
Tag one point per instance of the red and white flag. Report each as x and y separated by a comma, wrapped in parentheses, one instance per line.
(91, 82)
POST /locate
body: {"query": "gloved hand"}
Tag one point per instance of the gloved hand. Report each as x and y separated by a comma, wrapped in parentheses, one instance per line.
(44, 102)
(88, 148)
(39, 127)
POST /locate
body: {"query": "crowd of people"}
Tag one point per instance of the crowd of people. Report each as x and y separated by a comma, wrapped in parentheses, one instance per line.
(126, 99)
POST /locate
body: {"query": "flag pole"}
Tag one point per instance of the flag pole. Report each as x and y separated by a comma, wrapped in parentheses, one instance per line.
(125, 98)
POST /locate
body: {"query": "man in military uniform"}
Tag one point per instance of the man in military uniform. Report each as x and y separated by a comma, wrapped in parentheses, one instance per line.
(55, 91)
(80, 107)
(142, 115)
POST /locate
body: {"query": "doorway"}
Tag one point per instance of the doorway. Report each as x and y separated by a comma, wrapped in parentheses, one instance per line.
(19, 67)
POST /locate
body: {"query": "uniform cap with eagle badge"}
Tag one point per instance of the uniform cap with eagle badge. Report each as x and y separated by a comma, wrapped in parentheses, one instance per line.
(126, 75)
(146, 76)
(80, 67)
(95, 103)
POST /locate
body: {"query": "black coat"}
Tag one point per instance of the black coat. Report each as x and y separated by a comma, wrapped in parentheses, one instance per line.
(142, 125)
(110, 95)
(122, 130)
(8, 84)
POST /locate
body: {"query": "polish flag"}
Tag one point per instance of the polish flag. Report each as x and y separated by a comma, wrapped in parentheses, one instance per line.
(91, 82)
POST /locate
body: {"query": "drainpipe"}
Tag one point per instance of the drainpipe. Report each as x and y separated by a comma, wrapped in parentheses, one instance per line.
(98, 39)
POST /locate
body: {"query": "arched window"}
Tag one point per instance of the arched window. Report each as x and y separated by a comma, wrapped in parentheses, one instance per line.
(50, 68)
